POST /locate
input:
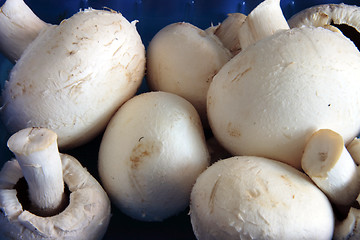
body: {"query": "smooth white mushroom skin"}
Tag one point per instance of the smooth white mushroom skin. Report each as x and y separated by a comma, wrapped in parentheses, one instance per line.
(151, 154)
(256, 198)
(85, 218)
(19, 26)
(37, 153)
(270, 98)
(327, 162)
(74, 76)
(182, 59)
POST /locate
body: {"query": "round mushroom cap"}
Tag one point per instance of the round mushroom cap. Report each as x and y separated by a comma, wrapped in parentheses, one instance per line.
(183, 59)
(151, 154)
(74, 76)
(257, 198)
(270, 98)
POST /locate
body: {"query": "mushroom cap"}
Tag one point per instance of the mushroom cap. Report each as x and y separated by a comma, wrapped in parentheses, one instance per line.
(327, 14)
(183, 59)
(270, 98)
(257, 198)
(151, 154)
(74, 76)
(86, 217)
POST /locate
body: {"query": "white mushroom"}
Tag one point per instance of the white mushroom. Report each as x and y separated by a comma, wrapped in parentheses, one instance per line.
(256, 198)
(151, 154)
(74, 76)
(85, 215)
(270, 98)
(182, 59)
(19, 26)
(328, 163)
(345, 18)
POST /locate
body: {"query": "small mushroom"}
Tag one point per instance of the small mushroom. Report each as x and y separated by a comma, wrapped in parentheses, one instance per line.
(251, 197)
(151, 154)
(328, 163)
(182, 59)
(51, 215)
(19, 26)
(339, 17)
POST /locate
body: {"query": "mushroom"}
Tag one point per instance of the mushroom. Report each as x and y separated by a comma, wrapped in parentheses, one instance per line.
(52, 215)
(250, 197)
(74, 76)
(19, 26)
(328, 163)
(151, 153)
(182, 59)
(342, 17)
(270, 98)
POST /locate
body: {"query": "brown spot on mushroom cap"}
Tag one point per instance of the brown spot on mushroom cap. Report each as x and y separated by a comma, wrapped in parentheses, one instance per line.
(232, 130)
(144, 149)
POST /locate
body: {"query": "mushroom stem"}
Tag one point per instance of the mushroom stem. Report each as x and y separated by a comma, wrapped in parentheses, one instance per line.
(37, 152)
(330, 166)
(19, 26)
(266, 19)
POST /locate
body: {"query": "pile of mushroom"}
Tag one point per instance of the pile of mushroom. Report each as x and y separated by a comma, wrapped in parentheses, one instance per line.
(73, 76)
(251, 123)
(52, 214)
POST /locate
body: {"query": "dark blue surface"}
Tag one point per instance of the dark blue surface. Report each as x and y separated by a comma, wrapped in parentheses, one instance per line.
(152, 15)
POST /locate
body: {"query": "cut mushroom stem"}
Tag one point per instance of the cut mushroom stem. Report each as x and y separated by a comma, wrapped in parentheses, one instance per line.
(37, 152)
(266, 19)
(330, 166)
(19, 26)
